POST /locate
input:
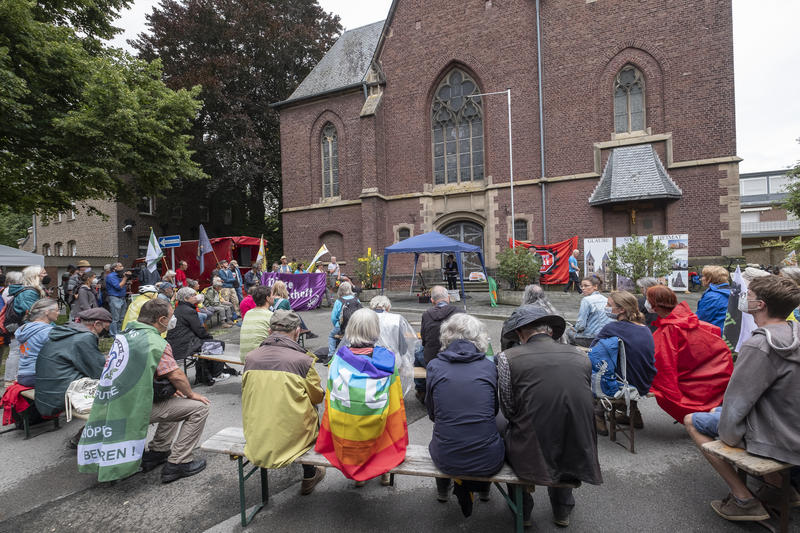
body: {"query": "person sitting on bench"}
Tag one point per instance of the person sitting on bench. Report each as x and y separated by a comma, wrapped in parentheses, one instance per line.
(281, 374)
(141, 384)
(757, 412)
(256, 324)
(546, 395)
(461, 398)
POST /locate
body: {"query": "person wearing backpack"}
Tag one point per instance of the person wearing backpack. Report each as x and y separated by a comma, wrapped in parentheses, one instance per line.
(343, 309)
(87, 297)
(21, 299)
(74, 283)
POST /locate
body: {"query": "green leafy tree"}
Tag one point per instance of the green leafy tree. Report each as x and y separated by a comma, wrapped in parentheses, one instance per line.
(792, 203)
(518, 266)
(641, 258)
(246, 54)
(13, 226)
(79, 120)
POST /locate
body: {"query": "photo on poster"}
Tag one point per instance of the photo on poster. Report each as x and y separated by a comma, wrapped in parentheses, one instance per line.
(678, 278)
(623, 283)
(595, 258)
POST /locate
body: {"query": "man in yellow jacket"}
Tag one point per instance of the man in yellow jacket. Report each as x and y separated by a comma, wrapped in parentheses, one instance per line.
(281, 374)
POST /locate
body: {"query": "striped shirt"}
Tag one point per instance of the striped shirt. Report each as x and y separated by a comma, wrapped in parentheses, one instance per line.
(255, 328)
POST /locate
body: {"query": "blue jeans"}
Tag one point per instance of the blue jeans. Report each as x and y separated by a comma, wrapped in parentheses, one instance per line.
(419, 361)
(707, 423)
(333, 341)
(117, 306)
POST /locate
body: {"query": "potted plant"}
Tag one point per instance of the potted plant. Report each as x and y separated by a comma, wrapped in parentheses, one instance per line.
(519, 267)
(368, 271)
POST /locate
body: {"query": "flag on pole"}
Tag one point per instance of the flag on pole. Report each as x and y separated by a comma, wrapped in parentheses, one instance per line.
(154, 253)
(203, 248)
(322, 251)
(262, 255)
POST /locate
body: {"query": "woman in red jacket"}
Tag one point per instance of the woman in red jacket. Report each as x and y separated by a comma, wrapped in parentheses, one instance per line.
(693, 364)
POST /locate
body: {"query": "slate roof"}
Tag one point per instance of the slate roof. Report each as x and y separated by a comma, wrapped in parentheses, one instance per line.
(634, 173)
(345, 65)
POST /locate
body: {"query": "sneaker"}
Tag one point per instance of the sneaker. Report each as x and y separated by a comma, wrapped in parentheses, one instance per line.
(308, 484)
(730, 509)
(172, 472)
(772, 496)
(561, 515)
(600, 425)
(464, 498)
(386, 479)
(221, 377)
(151, 460)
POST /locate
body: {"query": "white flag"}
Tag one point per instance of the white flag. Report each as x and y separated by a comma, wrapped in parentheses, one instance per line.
(262, 255)
(322, 251)
(154, 253)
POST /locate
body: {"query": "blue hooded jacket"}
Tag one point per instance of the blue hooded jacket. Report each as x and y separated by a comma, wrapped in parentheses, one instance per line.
(31, 336)
(462, 402)
(713, 306)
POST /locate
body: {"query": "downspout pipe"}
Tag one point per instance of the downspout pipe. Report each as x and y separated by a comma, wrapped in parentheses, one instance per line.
(541, 121)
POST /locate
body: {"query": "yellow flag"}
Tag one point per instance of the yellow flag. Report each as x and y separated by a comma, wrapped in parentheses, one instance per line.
(322, 251)
(262, 255)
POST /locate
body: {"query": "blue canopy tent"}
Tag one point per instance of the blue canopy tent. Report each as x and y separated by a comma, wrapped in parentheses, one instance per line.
(432, 243)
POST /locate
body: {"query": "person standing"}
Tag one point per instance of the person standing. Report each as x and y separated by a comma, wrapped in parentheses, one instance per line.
(253, 277)
(713, 305)
(284, 266)
(451, 273)
(574, 278)
(87, 297)
(117, 288)
(180, 274)
(546, 395)
(429, 333)
(228, 292)
(238, 281)
(281, 374)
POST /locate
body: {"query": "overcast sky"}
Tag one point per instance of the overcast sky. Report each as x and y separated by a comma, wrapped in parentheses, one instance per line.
(766, 53)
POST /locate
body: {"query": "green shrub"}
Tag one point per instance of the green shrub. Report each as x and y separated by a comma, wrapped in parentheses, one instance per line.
(519, 266)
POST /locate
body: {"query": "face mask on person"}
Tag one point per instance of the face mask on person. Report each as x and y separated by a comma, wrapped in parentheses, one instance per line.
(648, 307)
(172, 323)
(200, 298)
(744, 304)
(46, 280)
(610, 313)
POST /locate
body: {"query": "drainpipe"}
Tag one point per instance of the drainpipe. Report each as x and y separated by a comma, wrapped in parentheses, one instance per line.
(35, 243)
(541, 121)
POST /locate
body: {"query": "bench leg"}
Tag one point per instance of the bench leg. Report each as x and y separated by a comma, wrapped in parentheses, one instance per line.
(26, 425)
(785, 510)
(515, 505)
(241, 463)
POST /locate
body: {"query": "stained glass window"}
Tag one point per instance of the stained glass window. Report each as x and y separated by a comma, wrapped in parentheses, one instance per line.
(330, 161)
(628, 100)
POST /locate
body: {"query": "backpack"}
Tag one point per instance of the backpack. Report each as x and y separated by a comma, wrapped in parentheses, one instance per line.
(348, 308)
(609, 370)
(10, 319)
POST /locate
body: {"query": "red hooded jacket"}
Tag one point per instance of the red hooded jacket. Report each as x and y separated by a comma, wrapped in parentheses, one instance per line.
(693, 364)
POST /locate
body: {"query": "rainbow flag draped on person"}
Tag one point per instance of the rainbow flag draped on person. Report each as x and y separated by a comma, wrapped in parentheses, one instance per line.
(364, 432)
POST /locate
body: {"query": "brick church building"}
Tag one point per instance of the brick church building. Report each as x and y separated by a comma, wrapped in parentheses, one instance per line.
(622, 122)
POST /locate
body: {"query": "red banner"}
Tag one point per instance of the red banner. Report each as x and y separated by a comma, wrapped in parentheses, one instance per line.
(555, 259)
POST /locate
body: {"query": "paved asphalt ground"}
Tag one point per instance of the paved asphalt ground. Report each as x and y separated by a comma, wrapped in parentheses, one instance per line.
(665, 487)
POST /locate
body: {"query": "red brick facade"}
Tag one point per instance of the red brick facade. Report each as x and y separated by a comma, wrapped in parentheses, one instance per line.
(684, 51)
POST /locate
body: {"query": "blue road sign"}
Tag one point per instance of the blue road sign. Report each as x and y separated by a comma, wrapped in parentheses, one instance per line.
(171, 241)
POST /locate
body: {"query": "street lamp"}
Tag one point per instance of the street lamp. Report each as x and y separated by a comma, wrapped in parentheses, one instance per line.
(507, 92)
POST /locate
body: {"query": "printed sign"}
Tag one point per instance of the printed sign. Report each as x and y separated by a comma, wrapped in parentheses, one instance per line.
(595, 258)
(306, 291)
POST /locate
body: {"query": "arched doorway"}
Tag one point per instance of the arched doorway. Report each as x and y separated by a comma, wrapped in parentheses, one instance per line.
(470, 233)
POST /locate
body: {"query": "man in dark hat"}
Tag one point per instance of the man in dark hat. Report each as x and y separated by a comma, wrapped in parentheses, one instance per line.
(71, 353)
(545, 393)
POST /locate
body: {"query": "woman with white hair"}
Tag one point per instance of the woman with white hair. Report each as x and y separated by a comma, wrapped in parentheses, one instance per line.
(398, 336)
(649, 318)
(461, 398)
(363, 431)
(188, 336)
(24, 294)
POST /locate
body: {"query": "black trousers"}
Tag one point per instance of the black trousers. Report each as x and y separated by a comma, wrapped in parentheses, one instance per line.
(452, 282)
(573, 280)
(561, 499)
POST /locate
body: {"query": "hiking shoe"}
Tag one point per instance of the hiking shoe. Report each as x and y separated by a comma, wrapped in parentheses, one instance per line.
(386, 479)
(308, 484)
(600, 425)
(484, 495)
(464, 498)
(730, 509)
(773, 497)
(172, 472)
(151, 459)
(226, 325)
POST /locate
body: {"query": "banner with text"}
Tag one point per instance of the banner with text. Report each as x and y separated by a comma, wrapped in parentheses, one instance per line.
(306, 291)
(555, 259)
(595, 259)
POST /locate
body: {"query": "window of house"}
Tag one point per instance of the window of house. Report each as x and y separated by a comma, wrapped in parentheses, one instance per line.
(751, 217)
(403, 234)
(629, 100)
(521, 229)
(146, 205)
(71, 214)
(778, 184)
(330, 161)
(141, 245)
(457, 130)
(72, 248)
(753, 186)
(46, 249)
(59, 249)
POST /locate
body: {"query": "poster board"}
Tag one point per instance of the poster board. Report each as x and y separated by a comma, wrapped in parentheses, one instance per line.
(595, 258)
(678, 278)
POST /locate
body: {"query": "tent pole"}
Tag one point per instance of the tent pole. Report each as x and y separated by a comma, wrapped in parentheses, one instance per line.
(414, 275)
(459, 263)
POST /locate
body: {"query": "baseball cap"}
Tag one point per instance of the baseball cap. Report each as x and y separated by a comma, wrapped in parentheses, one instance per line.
(283, 320)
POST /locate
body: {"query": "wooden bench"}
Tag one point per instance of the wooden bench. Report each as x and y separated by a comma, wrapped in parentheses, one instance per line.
(30, 395)
(230, 441)
(756, 466)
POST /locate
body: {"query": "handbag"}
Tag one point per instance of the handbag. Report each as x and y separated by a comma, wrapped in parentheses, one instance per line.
(80, 396)
(163, 389)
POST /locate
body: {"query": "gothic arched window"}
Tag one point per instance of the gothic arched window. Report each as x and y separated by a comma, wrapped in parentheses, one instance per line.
(457, 130)
(628, 100)
(330, 161)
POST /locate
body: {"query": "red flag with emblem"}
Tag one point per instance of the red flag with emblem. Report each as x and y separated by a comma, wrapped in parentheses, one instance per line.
(555, 259)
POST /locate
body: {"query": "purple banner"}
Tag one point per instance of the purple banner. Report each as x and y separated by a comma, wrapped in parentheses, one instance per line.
(306, 291)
